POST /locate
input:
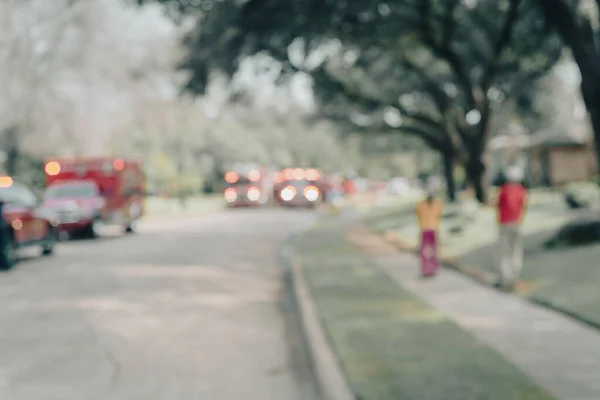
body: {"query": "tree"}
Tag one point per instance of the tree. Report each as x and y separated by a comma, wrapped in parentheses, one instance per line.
(31, 54)
(474, 51)
(576, 28)
(395, 117)
(76, 76)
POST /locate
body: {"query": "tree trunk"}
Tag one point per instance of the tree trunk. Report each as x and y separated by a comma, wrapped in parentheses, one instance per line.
(475, 168)
(12, 161)
(595, 117)
(13, 153)
(477, 180)
(448, 164)
(590, 89)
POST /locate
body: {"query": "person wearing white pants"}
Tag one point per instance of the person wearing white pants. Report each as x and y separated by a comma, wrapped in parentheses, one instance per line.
(511, 207)
(510, 245)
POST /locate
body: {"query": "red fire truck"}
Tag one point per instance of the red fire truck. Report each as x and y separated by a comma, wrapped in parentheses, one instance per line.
(248, 185)
(297, 187)
(89, 194)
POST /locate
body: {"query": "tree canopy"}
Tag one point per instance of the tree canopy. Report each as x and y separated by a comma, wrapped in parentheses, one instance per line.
(577, 23)
(443, 65)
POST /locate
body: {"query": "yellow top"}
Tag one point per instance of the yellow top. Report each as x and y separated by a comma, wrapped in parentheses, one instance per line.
(429, 214)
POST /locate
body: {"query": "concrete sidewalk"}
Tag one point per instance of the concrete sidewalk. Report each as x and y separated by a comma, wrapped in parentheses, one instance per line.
(560, 354)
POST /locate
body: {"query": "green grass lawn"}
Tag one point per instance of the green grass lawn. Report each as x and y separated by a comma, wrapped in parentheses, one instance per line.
(165, 207)
(391, 213)
(390, 344)
(566, 278)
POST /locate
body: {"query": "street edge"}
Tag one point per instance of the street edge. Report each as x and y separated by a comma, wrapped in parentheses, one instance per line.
(166, 217)
(327, 370)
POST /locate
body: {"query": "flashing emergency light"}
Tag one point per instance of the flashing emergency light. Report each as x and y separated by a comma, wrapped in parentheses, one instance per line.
(231, 177)
(6, 181)
(17, 224)
(288, 174)
(118, 164)
(279, 177)
(298, 174)
(52, 168)
(254, 176)
(312, 175)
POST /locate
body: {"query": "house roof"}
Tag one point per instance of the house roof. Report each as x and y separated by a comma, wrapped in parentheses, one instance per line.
(504, 141)
(553, 137)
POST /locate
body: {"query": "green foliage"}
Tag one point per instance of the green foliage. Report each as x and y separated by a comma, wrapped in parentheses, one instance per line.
(365, 58)
(31, 172)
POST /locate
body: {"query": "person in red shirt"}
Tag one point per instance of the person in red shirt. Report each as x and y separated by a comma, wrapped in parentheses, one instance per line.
(349, 189)
(511, 208)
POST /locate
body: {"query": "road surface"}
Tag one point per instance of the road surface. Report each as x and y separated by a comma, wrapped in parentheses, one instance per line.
(194, 309)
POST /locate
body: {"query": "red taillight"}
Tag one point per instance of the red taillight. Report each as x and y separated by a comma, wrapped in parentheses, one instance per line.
(299, 174)
(254, 176)
(312, 175)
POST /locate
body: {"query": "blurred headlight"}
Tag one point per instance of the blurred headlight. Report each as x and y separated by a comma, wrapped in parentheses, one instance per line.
(288, 193)
(230, 195)
(311, 193)
(253, 194)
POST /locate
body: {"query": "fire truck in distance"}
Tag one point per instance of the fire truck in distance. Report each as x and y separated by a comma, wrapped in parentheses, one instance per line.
(248, 185)
(89, 194)
(297, 187)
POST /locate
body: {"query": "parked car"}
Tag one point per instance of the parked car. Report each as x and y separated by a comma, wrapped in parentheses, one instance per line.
(23, 223)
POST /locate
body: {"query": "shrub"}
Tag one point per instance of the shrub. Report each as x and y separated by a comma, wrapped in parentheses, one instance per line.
(582, 195)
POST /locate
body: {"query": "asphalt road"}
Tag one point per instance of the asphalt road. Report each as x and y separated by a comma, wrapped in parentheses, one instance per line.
(192, 308)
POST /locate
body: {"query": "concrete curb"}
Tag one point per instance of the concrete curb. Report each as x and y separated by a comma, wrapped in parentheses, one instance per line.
(330, 376)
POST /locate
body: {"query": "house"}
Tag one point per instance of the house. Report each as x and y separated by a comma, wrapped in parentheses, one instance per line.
(551, 157)
(558, 158)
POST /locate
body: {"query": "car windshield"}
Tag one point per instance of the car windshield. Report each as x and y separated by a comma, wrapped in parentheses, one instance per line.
(299, 184)
(71, 191)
